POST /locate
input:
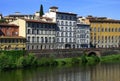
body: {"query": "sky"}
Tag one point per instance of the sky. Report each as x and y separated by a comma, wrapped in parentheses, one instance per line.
(100, 8)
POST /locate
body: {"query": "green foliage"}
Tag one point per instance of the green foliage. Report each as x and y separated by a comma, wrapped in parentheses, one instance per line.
(84, 59)
(20, 62)
(25, 61)
(6, 62)
(2, 21)
(75, 60)
(41, 10)
(47, 62)
(111, 58)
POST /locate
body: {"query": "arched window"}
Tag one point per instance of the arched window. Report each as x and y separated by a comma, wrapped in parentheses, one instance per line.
(49, 39)
(46, 40)
(42, 40)
(70, 24)
(66, 23)
(37, 39)
(33, 39)
(62, 23)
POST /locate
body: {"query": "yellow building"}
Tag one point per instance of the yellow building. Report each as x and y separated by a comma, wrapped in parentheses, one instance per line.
(105, 33)
(12, 43)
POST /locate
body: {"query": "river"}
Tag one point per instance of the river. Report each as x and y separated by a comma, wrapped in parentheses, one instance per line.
(100, 72)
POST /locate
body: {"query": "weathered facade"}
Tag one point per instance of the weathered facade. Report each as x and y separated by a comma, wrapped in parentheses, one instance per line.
(10, 39)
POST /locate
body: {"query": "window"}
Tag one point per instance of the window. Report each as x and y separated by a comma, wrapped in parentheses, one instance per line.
(37, 31)
(66, 23)
(29, 32)
(61, 39)
(46, 40)
(66, 29)
(57, 39)
(37, 39)
(33, 39)
(28, 38)
(94, 29)
(53, 39)
(70, 29)
(70, 40)
(62, 28)
(42, 40)
(70, 34)
(66, 40)
(62, 23)
(98, 29)
(66, 34)
(49, 39)
(70, 24)
(33, 31)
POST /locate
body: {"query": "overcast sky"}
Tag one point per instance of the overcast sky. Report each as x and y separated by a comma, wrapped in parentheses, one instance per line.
(108, 8)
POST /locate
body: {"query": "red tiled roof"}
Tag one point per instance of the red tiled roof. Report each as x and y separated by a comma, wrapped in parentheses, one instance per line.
(18, 37)
(38, 21)
(6, 24)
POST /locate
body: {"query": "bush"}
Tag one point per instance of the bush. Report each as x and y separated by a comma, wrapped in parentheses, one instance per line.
(84, 59)
(6, 62)
(75, 60)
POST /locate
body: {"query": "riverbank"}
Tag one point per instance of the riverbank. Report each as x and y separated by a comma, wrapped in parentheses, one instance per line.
(18, 59)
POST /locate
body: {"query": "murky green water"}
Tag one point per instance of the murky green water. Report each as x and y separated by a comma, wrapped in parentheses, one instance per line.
(103, 72)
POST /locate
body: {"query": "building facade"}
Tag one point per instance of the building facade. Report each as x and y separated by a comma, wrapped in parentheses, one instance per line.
(83, 36)
(66, 22)
(9, 29)
(0, 16)
(17, 15)
(105, 33)
(39, 34)
(10, 39)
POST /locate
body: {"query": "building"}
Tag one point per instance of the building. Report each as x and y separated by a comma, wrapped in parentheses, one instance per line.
(39, 34)
(82, 20)
(0, 16)
(66, 22)
(105, 33)
(83, 36)
(18, 15)
(10, 39)
(9, 30)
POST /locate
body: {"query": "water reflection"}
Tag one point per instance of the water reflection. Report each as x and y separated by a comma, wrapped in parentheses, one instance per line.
(104, 72)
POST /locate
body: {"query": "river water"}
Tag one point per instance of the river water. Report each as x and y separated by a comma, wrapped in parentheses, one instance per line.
(100, 72)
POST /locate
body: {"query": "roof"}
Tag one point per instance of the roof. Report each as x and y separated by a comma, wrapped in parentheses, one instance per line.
(83, 24)
(18, 15)
(9, 37)
(38, 21)
(53, 7)
(105, 20)
(6, 24)
(69, 13)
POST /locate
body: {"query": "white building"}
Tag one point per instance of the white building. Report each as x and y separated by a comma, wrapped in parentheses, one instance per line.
(39, 34)
(83, 36)
(66, 22)
(0, 16)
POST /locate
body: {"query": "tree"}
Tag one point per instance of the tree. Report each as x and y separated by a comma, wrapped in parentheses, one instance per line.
(41, 11)
(2, 21)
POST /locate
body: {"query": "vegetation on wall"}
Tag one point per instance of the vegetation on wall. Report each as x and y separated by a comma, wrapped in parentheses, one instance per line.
(19, 59)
